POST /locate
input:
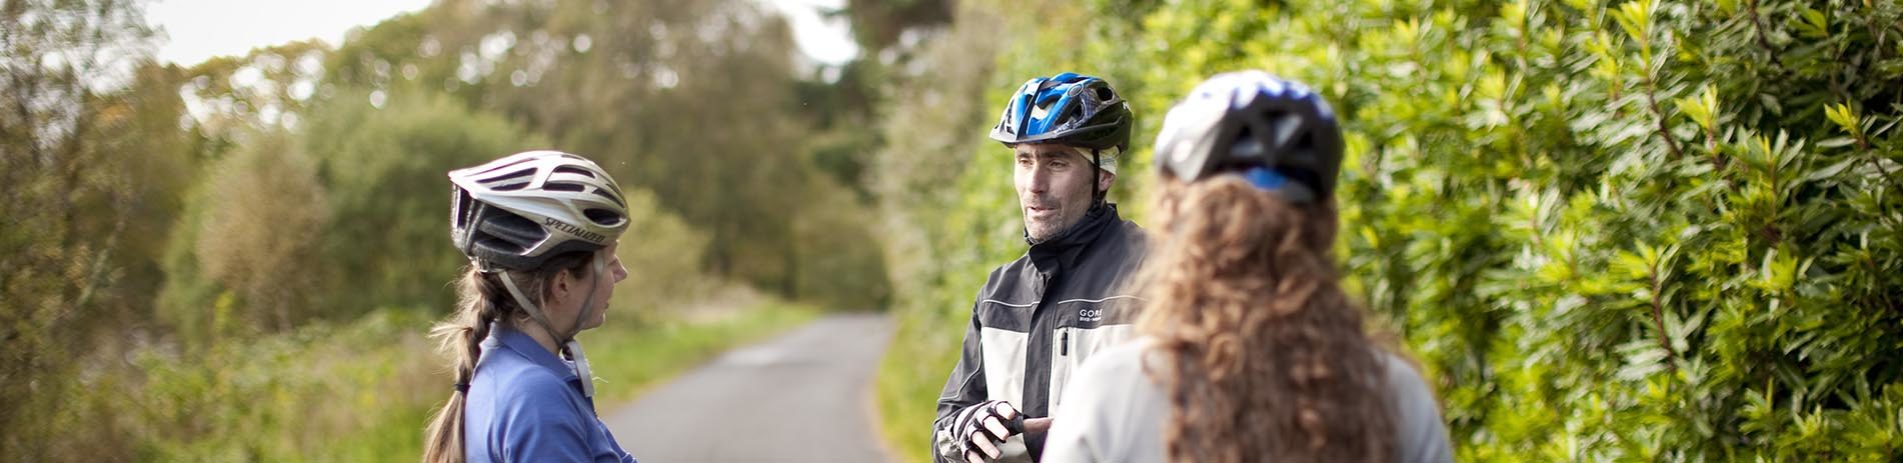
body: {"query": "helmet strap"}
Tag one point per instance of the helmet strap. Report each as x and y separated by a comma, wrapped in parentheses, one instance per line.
(1096, 177)
(529, 306)
(587, 312)
(565, 338)
(587, 303)
(581, 368)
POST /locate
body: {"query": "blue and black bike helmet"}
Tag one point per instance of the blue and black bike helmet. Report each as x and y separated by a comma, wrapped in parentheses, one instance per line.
(1276, 133)
(1070, 109)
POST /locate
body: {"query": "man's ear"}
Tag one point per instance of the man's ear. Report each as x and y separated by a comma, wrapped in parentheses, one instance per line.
(1104, 179)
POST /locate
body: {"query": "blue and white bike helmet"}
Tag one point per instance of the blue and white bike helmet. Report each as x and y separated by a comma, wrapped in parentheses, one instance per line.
(1276, 133)
(1069, 109)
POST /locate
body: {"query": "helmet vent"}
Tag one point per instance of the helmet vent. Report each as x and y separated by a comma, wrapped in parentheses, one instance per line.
(603, 217)
(462, 210)
(603, 192)
(518, 174)
(574, 170)
(1246, 149)
(1288, 126)
(1070, 111)
(564, 186)
(1304, 142)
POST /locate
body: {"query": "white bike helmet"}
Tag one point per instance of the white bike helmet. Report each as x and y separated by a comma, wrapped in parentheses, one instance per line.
(517, 212)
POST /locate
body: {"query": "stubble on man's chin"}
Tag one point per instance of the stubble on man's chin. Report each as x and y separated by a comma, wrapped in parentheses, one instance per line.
(1048, 234)
(1032, 236)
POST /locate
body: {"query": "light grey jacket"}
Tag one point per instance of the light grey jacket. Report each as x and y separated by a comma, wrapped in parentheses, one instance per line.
(1113, 412)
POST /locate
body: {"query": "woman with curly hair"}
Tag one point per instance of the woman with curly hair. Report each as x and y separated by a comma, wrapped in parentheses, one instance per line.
(1248, 348)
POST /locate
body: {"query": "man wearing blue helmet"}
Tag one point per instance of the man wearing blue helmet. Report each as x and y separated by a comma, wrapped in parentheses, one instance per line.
(1039, 317)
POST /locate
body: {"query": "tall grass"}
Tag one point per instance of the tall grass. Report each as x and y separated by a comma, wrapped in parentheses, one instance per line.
(357, 392)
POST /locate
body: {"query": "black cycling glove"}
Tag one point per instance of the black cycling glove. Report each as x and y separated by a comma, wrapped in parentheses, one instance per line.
(993, 421)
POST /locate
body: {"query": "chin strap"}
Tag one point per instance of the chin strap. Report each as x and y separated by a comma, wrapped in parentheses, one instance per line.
(566, 338)
(587, 312)
(528, 305)
(581, 368)
(1098, 198)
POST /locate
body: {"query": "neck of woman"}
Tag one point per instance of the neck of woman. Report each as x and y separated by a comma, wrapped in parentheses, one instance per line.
(541, 335)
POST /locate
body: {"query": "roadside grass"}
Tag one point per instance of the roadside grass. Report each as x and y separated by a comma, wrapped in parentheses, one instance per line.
(365, 390)
(909, 381)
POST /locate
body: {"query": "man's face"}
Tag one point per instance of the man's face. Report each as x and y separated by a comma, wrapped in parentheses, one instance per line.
(1054, 185)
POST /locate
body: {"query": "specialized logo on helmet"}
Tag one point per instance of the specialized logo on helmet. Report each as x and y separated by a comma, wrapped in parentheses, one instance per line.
(574, 230)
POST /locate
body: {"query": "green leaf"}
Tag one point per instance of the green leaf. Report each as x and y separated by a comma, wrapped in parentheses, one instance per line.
(1643, 358)
(1701, 109)
(1814, 24)
(1832, 170)
(1635, 17)
(1836, 142)
(1845, 117)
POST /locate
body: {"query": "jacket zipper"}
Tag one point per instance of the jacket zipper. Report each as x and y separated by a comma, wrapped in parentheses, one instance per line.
(1063, 343)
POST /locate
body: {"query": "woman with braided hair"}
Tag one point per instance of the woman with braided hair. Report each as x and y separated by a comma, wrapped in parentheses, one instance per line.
(540, 230)
(1248, 349)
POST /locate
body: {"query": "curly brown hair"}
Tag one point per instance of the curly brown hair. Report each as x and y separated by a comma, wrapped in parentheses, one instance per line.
(1265, 358)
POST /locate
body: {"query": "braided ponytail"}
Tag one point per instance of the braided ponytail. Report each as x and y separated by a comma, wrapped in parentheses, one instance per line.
(483, 302)
(461, 338)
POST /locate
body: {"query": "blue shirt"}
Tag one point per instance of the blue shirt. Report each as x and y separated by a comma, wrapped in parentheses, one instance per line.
(526, 405)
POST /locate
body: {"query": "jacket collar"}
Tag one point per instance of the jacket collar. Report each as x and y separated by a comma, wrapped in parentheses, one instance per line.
(502, 336)
(1060, 252)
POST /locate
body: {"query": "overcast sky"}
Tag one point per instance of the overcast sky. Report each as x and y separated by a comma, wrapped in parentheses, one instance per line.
(200, 29)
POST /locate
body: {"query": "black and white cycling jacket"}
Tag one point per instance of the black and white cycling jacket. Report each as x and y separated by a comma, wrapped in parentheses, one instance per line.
(1037, 319)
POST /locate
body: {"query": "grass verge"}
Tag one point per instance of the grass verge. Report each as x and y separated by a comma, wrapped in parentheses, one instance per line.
(364, 391)
(909, 379)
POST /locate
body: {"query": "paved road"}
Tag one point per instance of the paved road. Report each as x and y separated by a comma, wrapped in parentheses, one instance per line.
(802, 397)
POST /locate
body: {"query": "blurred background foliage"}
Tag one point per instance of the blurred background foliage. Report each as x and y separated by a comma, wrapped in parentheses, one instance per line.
(1611, 231)
(235, 260)
(1637, 230)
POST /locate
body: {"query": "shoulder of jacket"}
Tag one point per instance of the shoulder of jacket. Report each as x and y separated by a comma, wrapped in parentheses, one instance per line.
(533, 388)
(1015, 265)
(1009, 271)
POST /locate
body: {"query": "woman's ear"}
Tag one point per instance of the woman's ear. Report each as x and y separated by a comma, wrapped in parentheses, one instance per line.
(559, 287)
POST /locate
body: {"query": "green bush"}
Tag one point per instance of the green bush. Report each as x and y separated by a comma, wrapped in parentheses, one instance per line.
(1633, 231)
(330, 221)
(357, 391)
(385, 169)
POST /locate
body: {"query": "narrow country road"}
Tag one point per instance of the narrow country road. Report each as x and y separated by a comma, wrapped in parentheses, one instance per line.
(804, 396)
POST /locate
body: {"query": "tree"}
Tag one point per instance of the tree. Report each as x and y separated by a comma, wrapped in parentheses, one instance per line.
(76, 89)
(265, 213)
(701, 105)
(880, 25)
